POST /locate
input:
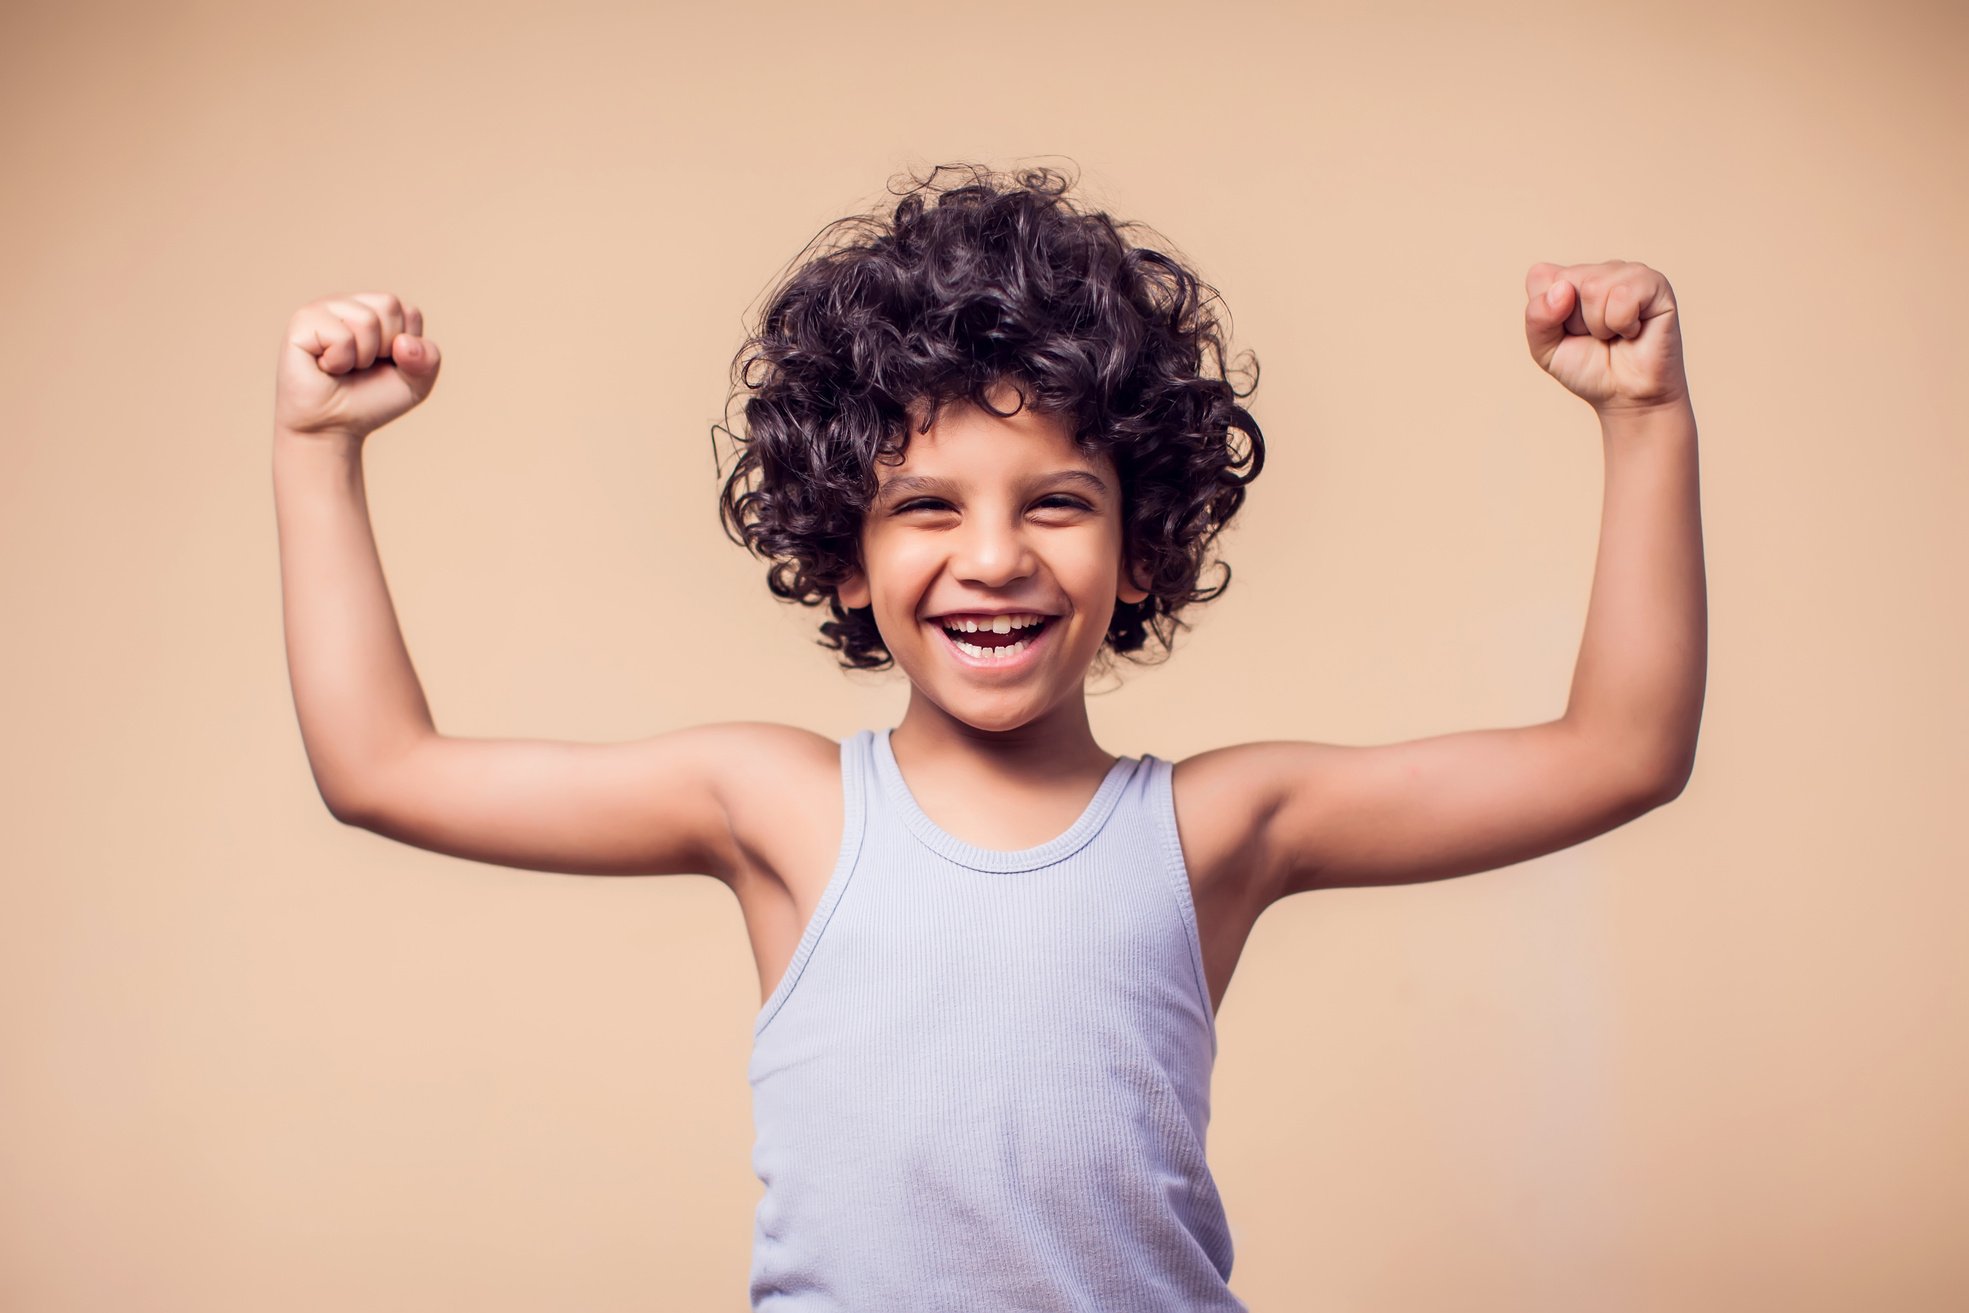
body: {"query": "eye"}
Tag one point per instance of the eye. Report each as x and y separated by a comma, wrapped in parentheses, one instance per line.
(1056, 499)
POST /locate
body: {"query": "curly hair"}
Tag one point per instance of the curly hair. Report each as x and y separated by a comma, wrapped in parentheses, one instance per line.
(994, 278)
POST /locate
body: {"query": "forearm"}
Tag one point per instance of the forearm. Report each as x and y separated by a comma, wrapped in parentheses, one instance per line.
(1638, 685)
(355, 691)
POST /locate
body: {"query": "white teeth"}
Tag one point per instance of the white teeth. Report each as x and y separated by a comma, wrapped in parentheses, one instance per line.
(994, 653)
(997, 624)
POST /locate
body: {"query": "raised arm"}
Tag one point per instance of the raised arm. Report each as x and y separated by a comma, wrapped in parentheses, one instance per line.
(344, 372)
(1460, 803)
(656, 806)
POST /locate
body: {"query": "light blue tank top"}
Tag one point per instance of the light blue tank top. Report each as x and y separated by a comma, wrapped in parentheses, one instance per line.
(983, 1084)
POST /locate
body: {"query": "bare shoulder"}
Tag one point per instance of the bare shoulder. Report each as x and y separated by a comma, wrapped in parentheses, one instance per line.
(778, 783)
(1223, 799)
(780, 792)
(777, 789)
(756, 754)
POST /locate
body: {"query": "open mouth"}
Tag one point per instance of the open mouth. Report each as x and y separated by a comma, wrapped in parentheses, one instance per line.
(980, 642)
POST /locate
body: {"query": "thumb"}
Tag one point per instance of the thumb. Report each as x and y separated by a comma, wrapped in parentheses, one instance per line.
(417, 359)
(1545, 319)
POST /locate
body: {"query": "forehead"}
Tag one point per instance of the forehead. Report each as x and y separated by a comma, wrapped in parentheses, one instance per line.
(968, 443)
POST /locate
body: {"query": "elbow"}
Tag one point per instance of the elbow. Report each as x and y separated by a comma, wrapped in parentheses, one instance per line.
(1665, 785)
(336, 788)
(345, 813)
(346, 807)
(1666, 794)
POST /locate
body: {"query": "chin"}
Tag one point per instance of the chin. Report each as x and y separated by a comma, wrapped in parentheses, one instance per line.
(983, 712)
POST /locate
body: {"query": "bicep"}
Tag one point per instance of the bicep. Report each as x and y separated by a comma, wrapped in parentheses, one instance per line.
(649, 807)
(1435, 808)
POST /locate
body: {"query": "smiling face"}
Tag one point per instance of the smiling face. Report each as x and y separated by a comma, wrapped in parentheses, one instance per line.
(985, 517)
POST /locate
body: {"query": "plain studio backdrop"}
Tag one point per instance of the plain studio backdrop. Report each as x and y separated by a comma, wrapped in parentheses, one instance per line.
(256, 1060)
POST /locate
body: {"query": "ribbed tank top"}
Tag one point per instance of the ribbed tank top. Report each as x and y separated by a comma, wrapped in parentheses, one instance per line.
(983, 1083)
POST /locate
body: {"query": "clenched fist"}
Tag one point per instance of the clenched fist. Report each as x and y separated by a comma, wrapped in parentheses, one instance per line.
(351, 364)
(1608, 332)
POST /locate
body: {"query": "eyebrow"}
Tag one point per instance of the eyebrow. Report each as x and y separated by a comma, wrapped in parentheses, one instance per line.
(905, 484)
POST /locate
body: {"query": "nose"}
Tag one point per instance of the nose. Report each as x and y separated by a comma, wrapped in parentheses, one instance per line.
(990, 553)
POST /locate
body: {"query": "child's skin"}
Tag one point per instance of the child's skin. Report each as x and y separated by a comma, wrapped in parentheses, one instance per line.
(1004, 757)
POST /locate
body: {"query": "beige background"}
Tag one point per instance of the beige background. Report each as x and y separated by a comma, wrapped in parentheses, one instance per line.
(255, 1060)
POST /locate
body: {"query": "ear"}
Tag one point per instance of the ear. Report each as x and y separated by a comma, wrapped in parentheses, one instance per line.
(1131, 589)
(853, 590)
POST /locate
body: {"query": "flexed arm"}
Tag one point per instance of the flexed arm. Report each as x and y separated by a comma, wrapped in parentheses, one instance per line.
(678, 802)
(348, 366)
(1456, 804)
(1609, 333)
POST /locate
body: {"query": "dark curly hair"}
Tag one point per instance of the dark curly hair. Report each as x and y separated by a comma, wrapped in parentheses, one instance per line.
(974, 280)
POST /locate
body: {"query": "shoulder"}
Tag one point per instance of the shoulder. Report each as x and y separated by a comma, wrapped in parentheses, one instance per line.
(1224, 800)
(780, 789)
(772, 745)
(757, 762)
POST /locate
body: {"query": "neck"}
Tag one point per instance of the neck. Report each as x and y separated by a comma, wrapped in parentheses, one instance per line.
(1058, 743)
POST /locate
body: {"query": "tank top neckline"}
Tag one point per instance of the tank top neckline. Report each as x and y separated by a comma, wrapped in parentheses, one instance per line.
(979, 858)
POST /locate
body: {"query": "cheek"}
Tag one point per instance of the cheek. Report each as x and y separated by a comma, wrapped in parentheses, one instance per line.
(899, 580)
(1097, 564)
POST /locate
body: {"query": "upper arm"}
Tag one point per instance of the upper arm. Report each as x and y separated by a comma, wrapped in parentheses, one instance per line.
(1433, 808)
(655, 806)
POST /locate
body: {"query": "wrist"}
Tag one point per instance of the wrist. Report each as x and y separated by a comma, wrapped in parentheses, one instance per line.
(1672, 415)
(333, 441)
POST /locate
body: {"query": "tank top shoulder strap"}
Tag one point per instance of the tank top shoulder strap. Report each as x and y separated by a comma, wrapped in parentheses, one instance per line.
(857, 784)
(1155, 801)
